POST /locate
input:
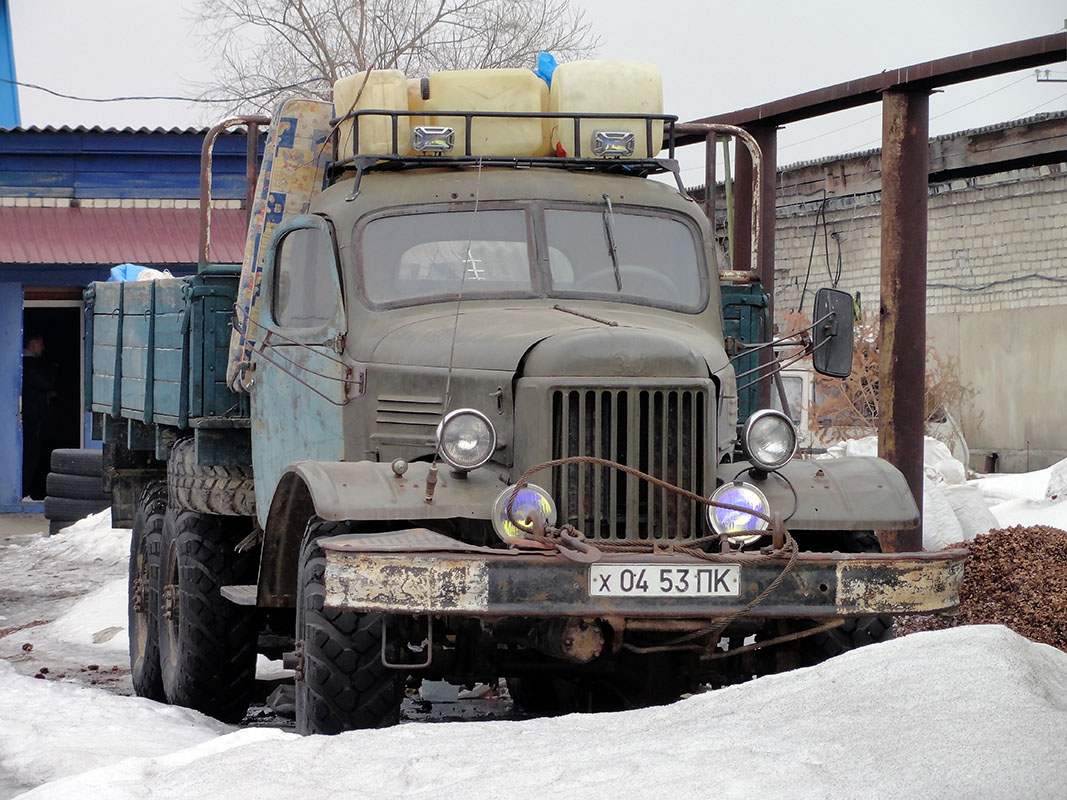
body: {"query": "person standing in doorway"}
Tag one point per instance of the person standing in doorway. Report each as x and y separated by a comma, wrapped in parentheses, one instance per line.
(38, 392)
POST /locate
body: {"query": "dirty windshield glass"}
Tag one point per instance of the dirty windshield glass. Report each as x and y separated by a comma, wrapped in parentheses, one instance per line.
(601, 254)
(435, 255)
(639, 258)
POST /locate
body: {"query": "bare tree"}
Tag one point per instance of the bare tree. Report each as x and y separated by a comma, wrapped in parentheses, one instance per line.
(263, 47)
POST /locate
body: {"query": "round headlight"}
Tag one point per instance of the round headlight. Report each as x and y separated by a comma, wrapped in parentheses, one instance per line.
(465, 438)
(529, 499)
(769, 439)
(728, 521)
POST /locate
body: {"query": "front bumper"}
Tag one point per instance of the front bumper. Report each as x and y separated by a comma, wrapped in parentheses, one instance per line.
(421, 572)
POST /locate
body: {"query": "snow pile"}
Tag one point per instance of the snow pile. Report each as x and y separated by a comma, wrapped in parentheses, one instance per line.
(1034, 498)
(849, 727)
(98, 618)
(52, 730)
(65, 600)
(956, 509)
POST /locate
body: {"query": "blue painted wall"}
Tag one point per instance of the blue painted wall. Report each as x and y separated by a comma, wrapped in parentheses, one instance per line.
(10, 390)
(9, 92)
(86, 163)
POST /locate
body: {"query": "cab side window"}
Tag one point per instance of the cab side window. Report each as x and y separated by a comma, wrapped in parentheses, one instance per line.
(305, 279)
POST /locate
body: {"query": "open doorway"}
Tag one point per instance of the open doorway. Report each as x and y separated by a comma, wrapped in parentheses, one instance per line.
(52, 413)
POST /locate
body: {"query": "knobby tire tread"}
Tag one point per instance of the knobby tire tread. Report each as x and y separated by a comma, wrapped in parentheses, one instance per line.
(345, 686)
(145, 548)
(209, 656)
(227, 491)
(858, 631)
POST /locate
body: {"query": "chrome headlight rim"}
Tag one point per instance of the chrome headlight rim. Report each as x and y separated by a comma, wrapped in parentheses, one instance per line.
(751, 452)
(442, 429)
(760, 526)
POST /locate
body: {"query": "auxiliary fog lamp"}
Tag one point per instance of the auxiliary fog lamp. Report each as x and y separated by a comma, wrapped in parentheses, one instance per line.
(530, 500)
(729, 522)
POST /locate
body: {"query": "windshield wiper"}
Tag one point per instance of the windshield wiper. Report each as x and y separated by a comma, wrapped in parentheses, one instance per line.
(613, 251)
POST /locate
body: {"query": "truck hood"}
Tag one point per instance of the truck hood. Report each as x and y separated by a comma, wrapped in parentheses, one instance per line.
(499, 338)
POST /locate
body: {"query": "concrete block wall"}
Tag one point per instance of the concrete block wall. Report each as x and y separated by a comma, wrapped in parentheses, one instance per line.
(996, 291)
(994, 243)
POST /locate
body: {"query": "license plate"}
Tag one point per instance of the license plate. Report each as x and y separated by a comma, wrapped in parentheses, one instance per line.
(655, 580)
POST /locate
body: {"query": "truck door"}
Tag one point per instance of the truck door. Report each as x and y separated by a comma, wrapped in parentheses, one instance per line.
(298, 388)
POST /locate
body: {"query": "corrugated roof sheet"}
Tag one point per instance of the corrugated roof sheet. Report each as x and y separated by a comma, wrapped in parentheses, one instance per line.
(99, 129)
(149, 236)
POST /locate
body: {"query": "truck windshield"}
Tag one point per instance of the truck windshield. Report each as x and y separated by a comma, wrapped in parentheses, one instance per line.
(638, 258)
(415, 257)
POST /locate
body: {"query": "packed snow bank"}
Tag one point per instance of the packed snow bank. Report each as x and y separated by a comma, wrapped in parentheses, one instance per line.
(968, 712)
(52, 729)
(1032, 498)
(957, 510)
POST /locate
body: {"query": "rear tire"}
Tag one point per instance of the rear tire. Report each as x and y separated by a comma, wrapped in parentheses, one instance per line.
(344, 685)
(143, 594)
(207, 645)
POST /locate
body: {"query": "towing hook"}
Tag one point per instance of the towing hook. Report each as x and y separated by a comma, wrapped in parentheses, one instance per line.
(573, 545)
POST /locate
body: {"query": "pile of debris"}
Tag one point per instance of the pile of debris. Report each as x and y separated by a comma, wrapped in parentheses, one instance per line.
(1015, 577)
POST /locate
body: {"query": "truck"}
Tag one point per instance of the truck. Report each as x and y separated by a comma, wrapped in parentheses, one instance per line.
(470, 417)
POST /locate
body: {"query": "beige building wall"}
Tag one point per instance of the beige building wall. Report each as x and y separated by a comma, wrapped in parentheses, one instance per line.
(996, 289)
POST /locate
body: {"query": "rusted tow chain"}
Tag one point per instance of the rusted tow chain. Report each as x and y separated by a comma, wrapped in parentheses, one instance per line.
(550, 535)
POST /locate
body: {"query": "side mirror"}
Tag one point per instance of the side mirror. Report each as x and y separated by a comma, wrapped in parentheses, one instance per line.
(832, 335)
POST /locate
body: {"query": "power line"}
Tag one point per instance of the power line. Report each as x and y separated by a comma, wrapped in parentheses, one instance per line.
(263, 93)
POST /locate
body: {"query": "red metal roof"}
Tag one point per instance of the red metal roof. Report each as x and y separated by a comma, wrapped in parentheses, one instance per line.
(148, 236)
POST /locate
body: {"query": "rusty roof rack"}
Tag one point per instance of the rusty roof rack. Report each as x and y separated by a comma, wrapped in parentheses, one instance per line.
(360, 163)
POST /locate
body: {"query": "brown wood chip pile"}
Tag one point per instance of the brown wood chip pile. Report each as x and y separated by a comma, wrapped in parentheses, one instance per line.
(1015, 577)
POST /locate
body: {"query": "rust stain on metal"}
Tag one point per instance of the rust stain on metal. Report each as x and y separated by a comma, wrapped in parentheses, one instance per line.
(932, 586)
(406, 583)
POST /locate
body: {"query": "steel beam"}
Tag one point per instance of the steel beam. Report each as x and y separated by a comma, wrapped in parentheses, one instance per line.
(928, 75)
(902, 356)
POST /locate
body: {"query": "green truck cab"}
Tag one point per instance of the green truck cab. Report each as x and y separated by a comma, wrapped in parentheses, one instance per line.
(480, 422)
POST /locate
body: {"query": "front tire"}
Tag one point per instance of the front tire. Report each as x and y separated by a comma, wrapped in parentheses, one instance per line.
(207, 645)
(344, 686)
(856, 631)
(143, 607)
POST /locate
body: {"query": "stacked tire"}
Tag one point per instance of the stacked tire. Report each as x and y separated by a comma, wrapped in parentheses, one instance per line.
(75, 487)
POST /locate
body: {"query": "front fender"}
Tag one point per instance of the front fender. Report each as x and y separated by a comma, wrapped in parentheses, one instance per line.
(365, 491)
(853, 493)
(368, 490)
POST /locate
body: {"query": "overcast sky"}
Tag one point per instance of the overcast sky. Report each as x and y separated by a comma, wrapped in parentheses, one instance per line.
(715, 57)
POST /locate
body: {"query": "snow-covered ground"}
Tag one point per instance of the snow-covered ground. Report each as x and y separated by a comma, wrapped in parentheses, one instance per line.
(966, 712)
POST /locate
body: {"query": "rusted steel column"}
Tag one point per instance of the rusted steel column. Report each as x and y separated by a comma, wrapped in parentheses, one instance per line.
(902, 359)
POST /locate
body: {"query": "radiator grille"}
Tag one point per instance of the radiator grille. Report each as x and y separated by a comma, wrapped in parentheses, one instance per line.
(660, 431)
